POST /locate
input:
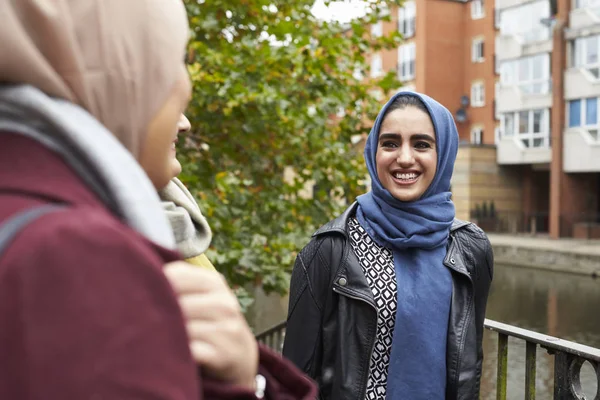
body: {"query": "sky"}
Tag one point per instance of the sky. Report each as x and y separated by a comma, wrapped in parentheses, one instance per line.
(342, 11)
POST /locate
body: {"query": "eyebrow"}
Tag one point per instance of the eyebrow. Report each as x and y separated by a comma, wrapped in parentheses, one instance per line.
(416, 136)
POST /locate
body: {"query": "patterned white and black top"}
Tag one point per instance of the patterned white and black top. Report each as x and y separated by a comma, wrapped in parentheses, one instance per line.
(378, 266)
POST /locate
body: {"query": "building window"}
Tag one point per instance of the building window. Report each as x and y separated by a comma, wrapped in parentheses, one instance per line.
(376, 65)
(377, 29)
(406, 19)
(530, 74)
(477, 136)
(525, 21)
(406, 62)
(585, 54)
(477, 9)
(531, 127)
(496, 18)
(478, 94)
(583, 113)
(477, 50)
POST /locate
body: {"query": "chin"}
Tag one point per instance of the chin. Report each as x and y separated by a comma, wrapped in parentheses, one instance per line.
(406, 196)
(175, 168)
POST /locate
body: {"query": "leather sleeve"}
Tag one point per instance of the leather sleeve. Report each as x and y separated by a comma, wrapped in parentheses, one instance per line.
(302, 343)
(485, 273)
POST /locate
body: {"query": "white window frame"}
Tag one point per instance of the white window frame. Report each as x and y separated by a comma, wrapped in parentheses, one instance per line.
(377, 29)
(527, 139)
(478, 94)
(580, 52)
(407, 17)
(407, 62)
(376, 65)
(477, 9)
(525, 21)
(477, 136)
(477, 50)
(592, 129)
(536, 84)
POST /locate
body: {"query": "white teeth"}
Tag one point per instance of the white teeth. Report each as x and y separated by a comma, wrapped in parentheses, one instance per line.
(405, 177)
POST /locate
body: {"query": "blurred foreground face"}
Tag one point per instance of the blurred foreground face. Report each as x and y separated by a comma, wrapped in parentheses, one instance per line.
(183, 125)
(120, 60)
(158, 152)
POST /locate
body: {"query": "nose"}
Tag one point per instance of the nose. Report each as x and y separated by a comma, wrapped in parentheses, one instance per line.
(405, 156)
(183, 125)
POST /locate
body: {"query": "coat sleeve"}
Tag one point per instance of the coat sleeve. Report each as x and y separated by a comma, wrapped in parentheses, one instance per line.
(484, 280)
(88, 314)
(283, 381)
(308, 287)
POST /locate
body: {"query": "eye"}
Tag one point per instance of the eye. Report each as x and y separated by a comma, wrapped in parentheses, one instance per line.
(422, 145)
(389, 144)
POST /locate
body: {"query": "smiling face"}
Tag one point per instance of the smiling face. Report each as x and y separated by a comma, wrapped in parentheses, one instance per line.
(406, 153)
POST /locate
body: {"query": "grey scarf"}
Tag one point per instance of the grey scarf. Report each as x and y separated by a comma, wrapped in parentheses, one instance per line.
(192, 232)
(94, 153)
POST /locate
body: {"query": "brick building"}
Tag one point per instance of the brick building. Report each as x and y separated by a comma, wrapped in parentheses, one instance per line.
(522, 78)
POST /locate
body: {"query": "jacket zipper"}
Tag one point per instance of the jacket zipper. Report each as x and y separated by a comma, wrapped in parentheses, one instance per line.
(363, 390)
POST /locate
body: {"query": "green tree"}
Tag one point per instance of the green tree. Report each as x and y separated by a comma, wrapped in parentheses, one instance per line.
(270, 81)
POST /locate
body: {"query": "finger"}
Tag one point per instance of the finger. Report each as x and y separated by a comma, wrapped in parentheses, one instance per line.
(207, 355)
(234, 330)
(185, 278)
(210, 306)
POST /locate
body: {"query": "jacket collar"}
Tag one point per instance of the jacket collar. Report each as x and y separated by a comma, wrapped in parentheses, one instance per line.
(340, 224)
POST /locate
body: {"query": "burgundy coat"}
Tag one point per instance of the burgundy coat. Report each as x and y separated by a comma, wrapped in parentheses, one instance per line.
(85, 310)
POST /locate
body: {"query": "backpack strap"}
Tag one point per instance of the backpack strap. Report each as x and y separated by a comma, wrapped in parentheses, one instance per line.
(16, 223)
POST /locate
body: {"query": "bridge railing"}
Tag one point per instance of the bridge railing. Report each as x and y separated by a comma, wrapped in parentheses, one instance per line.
(569, 357)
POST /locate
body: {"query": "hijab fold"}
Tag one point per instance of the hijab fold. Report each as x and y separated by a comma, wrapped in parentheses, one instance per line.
(85, 79)
(192, 232)
(117, 59)
(417, 234)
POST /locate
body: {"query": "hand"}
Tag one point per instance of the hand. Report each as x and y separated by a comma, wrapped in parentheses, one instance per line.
(220, 340)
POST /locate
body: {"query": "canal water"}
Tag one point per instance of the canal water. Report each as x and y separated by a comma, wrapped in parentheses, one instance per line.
(557, 304)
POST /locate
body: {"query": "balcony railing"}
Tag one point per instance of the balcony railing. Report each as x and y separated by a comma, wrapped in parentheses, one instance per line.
(512, 222)
(569, 357)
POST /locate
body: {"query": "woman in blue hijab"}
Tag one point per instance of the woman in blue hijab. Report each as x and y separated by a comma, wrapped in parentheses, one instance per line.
(388, 300)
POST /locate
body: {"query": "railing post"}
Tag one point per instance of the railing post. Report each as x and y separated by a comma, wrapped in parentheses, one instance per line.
(502, 366)
(530, 359)
(562, 380)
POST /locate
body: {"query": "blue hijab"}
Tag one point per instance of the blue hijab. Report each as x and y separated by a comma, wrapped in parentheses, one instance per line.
(417, 234)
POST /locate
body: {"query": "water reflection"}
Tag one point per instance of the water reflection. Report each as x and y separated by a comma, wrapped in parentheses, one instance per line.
(557, 304)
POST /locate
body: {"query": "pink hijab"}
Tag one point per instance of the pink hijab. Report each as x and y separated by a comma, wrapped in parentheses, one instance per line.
(118, 59)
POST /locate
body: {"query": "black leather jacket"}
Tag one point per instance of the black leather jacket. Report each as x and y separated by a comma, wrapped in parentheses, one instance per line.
(332, 318)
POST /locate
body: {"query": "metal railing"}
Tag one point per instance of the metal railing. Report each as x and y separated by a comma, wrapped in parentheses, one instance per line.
(569, 357)
(513, 222)
(273, 337)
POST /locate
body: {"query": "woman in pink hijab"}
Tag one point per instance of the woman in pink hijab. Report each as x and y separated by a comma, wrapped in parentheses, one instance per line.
(94, 302)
